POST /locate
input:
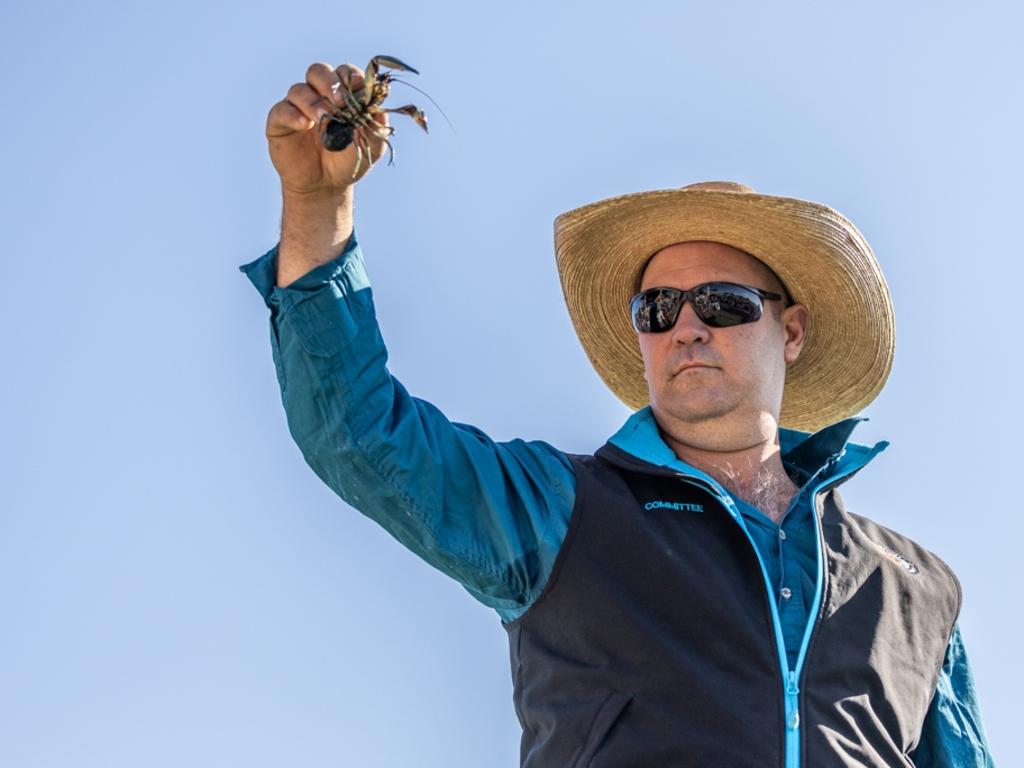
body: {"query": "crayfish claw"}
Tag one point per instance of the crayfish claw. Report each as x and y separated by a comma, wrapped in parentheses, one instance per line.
(411, 110)
(391, 63)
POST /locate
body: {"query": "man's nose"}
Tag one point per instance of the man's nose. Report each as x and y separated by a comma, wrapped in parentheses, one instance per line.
(689, 328)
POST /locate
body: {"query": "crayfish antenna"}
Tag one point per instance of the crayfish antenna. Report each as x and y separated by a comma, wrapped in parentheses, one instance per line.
(431, 98)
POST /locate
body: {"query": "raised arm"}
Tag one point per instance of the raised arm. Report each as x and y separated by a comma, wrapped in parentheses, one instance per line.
(491, 515)
(316, 184)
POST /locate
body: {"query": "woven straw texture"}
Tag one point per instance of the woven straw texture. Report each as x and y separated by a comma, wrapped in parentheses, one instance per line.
(820, 255)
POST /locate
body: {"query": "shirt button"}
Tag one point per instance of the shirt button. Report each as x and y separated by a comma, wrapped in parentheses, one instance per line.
(786, 593)
(782, 534)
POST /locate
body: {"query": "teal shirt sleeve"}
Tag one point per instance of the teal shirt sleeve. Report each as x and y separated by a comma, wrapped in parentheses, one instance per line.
(489, 514)
(953, 735)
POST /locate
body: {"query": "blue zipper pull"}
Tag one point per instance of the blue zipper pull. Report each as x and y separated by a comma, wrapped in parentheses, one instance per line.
(792, 689)
(793, 721)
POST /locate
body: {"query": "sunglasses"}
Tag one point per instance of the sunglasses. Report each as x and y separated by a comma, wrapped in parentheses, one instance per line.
(718, 305)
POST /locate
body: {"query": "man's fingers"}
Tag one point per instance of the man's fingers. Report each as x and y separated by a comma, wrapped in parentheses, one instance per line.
(329, 82)
(308, 101)
(323, 79)
(285, 118)
(319, 72)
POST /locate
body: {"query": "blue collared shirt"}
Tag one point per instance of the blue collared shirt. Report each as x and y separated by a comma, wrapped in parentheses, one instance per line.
(787, 550)
(493, 515)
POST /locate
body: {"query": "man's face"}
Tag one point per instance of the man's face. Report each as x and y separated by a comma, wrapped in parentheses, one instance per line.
(696, 373)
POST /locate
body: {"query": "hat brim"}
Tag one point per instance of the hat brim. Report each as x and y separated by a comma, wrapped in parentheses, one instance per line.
(821, 257)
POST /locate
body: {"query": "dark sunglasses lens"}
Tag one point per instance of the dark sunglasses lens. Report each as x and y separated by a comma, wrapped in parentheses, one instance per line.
(656, 310)
(721, 305)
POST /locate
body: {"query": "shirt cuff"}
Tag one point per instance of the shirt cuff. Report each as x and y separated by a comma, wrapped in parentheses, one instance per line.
(262, 272)
(326, 306)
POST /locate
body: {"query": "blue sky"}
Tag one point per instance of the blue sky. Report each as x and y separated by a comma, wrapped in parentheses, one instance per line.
(178, 588)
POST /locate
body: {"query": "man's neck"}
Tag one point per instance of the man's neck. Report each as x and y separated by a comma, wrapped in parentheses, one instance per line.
(754, 474)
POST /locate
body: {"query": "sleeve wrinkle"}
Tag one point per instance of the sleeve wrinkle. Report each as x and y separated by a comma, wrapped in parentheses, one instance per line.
(410, 413)
(480, 511)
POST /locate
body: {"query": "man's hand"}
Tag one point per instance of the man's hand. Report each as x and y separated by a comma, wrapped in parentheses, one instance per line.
(293, 134)
(316, 184)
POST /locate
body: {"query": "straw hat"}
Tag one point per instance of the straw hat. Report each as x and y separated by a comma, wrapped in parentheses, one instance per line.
(824, 262)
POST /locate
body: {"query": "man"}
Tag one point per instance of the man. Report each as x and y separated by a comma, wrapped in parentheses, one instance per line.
(695, 593)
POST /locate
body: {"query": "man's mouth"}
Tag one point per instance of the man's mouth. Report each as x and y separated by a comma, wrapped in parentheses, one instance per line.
(691, 365)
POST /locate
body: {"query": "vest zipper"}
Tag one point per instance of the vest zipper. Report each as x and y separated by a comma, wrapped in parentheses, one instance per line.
(791, 692)
(793, 688)
(790, 677)
(792, 720)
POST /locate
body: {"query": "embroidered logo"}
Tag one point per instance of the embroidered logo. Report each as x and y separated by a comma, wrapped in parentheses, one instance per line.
(905, 563)
(678, 506)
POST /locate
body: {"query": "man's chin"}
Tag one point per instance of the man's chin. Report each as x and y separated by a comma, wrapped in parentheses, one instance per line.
(693, 409)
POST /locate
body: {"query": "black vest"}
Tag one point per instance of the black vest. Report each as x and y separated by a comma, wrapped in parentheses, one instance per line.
(652, 643)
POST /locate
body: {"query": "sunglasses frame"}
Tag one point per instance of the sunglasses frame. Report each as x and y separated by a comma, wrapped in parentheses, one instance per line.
(691, 295)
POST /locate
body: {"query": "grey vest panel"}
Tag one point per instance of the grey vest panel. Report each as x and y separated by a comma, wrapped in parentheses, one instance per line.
(876, 655)
(652, 642)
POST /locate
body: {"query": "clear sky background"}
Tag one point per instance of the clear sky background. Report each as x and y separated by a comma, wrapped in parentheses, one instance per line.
(177, 588)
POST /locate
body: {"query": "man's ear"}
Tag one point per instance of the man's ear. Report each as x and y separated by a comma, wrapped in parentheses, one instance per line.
(795, 319)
